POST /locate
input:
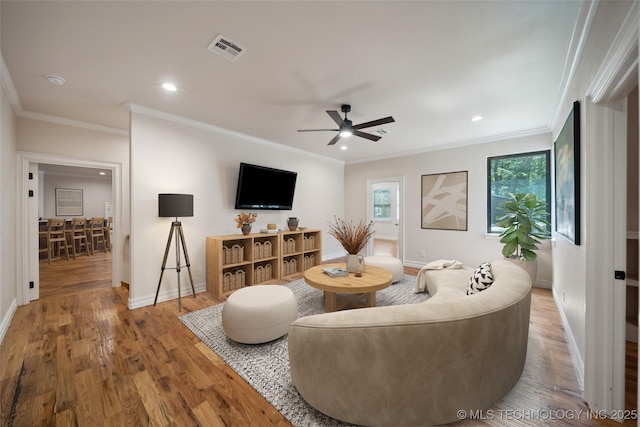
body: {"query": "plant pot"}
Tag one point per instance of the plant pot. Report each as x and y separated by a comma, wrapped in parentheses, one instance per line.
(246, 228)
(531, 267)
(292, 222)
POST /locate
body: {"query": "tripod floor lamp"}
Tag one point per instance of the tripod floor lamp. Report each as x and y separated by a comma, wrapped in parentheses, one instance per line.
(175, 205)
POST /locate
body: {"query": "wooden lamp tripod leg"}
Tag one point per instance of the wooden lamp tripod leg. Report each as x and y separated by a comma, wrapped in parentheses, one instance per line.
(186, 258)
(176, 225)
(164, 263)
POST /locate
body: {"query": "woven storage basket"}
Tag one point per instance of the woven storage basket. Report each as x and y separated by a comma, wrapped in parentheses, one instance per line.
(237, 253)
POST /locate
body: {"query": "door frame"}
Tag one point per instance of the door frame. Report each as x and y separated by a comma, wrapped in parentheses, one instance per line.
(604, 333)
(25, 255)
(400, 181)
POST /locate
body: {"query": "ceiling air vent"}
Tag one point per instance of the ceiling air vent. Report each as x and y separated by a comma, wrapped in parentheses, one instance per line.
(226, 48)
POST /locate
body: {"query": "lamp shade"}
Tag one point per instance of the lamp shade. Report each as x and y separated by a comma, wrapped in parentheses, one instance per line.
(175, 205)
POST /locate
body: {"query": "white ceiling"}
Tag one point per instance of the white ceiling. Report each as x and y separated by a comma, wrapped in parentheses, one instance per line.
(432, 65)
(75, 171)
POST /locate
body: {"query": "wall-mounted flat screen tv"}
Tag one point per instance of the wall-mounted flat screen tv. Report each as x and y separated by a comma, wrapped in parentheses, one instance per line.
(260, 187)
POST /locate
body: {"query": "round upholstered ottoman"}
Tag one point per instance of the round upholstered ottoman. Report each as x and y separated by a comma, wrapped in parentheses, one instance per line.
(389, 263)
(258, 314)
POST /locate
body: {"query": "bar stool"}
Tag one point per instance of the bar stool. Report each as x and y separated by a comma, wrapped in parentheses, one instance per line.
(57, 238)
(107, 233)
(43, 237)
(96, 231)
(79, 236)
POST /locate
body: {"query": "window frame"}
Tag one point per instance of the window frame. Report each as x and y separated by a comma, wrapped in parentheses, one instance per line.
(547, 154)
(382, 219)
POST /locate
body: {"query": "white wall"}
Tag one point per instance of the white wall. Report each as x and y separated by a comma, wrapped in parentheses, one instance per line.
(95, 192)
(8, 291)
(472, 247)
(181, 156)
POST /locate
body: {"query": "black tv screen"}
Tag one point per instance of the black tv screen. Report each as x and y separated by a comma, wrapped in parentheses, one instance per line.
(260, 187)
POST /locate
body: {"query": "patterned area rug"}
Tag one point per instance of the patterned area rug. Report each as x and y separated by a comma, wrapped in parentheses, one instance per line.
(266, 366)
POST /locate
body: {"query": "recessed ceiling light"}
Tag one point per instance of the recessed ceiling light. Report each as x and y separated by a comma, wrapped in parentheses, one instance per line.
(56, 80)
(476, 118)
(102, 173)
(169, 86)
(343, 147)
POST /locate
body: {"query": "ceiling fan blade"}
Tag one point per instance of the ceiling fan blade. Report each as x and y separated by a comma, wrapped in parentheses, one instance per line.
(335, 116)
(374, 123)
(317, 130)
(366, 135)
(335, 139)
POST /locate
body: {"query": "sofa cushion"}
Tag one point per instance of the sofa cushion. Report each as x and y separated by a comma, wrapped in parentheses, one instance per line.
(481, 279)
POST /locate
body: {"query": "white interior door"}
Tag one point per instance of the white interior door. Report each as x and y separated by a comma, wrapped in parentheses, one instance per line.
(385, 210)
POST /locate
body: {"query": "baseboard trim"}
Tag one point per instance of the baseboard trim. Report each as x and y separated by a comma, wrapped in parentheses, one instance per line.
(415, 264)
(545, 284)
(6, 320)
(335, 255)
(578, 363)
(147, 300)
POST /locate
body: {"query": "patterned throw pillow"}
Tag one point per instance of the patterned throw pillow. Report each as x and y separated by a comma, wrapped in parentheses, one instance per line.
(481, 279)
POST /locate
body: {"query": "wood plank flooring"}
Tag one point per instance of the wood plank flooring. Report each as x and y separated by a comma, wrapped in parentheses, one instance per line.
(78, 356)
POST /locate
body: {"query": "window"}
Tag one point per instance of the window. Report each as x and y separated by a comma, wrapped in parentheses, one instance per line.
(517, 173)
(382, 204)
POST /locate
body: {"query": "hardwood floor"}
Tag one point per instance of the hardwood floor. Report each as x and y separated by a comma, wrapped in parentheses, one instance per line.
(78, 356)
(84, 273)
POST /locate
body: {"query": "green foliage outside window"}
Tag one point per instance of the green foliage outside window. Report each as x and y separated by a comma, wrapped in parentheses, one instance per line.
(517, 173)
(382, 204)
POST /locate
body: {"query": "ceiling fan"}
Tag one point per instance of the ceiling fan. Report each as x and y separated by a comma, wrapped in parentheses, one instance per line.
(347, 128)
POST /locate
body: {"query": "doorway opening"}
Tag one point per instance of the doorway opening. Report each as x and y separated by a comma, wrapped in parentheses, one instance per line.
(90, 266)
(28, 224)
(385, 209)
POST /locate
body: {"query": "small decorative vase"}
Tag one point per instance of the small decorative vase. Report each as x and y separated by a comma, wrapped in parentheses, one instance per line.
(355, 262)
(246, 228)
(292, 222)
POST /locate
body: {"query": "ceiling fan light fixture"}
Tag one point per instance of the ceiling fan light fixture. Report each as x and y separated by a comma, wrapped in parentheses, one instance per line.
(345, 128)
(346, 133)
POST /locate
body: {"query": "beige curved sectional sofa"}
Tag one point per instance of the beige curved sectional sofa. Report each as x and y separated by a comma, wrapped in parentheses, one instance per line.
(417, 364)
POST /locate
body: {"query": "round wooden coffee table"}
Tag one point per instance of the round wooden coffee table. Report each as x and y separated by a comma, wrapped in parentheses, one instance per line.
(361, 290)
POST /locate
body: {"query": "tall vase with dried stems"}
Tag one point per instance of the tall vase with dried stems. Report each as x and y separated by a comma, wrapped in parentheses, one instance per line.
(353, 238)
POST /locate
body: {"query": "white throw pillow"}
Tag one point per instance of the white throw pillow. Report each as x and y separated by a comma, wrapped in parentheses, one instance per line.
(481, 279)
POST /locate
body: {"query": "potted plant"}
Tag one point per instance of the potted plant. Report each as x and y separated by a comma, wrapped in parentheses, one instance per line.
(353, 239)
(244, 220)
(524, 223)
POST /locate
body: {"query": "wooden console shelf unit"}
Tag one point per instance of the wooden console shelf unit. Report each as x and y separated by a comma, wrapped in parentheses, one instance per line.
(238, 260)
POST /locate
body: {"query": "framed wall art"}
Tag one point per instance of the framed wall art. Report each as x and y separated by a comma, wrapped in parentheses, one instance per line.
(444, 201)
(68, 202)
(567, 175)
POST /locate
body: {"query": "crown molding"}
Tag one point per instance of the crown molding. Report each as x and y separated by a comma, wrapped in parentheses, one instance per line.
(457, 144)
(9, 88)
(150, 112)
(74, 123)
(578, 39)
(618, 72)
